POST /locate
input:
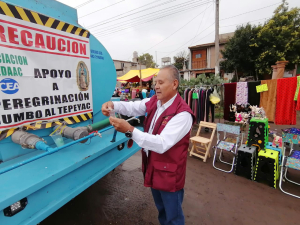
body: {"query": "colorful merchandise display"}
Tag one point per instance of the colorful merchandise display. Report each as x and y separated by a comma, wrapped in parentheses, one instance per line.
(291, 135)
(246, 159)
(278, 149)
(267, 168)
(293, 161)
(258, 133)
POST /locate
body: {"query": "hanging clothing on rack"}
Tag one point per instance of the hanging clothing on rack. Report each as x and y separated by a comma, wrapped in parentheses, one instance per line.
(268, 99)
(205, 105)
(253, 96)
(285, 103)
(209, 106)
(195, 98)
(202, 105)
(187, 95)
(190, 98)
(241, 93)
(229, 98)
(184, 94)
(199, 106)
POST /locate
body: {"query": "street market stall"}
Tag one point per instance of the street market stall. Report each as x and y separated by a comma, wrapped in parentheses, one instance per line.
(138, 82)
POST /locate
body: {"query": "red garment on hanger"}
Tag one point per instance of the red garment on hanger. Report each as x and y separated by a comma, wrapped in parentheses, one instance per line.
(285, 104)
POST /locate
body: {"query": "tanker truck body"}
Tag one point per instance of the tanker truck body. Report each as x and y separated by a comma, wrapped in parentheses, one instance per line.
(54, 78)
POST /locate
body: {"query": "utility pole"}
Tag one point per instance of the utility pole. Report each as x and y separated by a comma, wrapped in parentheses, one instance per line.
(217, 49)
(156, 58)
(141, 83)
(139, 64)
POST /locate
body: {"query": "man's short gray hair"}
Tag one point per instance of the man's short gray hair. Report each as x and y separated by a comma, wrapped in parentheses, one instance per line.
(174, 72)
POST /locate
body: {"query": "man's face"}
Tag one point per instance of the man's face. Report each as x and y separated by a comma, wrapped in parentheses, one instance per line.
(165, 86)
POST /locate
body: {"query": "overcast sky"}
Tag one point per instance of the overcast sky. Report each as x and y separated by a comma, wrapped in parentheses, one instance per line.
(124, 26)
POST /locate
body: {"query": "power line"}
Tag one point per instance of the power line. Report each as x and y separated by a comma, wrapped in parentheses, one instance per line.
(107, 36)
(191, 39)
(200, 25)
(210, 25)
(100, 23)
(83, 4)
(229, 18)
(101, 9)
(244, 22)
(251, 11)
(176, 30)
(151, 14)
(151, 17)
(115, 30)
(118, 30)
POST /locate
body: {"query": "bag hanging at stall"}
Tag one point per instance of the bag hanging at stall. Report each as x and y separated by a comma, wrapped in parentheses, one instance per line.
(214, 97)
(195, 95)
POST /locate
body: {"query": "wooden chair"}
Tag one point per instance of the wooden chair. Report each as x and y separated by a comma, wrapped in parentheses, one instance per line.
(202, 151)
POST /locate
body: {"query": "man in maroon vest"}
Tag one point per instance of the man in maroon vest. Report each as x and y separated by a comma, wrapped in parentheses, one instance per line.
(165, 141)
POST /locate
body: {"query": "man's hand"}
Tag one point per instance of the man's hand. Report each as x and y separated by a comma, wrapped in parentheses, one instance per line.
(120, 125)
(106, 107)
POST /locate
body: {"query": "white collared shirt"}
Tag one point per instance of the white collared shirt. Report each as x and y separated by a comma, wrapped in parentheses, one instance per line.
(173, 132)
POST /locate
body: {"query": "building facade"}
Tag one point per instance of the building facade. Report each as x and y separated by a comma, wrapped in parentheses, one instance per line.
(203, 59)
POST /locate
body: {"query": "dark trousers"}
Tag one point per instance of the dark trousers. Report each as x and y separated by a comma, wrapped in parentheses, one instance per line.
(210, 106)
(168, 205)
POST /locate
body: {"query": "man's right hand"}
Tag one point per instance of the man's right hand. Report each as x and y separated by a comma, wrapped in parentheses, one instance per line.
(106, 107)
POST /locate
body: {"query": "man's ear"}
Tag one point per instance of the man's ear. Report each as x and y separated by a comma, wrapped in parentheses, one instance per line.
(176, 84)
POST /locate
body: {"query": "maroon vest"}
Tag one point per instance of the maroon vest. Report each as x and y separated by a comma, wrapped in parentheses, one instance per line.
(166, 172)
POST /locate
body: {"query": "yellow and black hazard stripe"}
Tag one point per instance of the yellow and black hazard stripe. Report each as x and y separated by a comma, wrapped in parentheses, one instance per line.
(44, 124)
(37, 18)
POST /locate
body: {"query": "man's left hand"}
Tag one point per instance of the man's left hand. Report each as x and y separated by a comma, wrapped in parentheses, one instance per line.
(120, 125)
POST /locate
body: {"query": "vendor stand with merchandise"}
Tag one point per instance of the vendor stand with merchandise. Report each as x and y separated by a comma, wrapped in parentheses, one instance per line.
(134, 78)
(253, 105)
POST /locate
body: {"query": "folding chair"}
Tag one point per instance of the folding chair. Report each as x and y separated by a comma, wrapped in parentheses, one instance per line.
(291, 161)
(205, 143)
(225, 145)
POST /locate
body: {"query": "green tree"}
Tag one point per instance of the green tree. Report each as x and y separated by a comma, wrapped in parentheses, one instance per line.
(147, 59)
(238, 54)
(279, 39)
(180, 59)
